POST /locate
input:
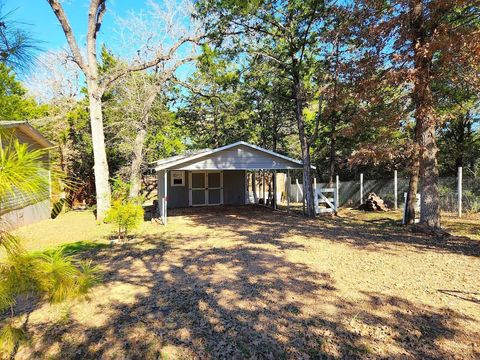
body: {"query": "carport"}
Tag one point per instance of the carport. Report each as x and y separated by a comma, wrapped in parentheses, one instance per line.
(222, 176)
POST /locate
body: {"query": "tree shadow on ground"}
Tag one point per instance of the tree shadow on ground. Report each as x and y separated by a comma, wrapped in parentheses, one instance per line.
(253, 222)
(240, 301)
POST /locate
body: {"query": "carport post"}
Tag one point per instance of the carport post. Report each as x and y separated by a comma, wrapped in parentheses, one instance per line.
(274, 183)
(287, 189)
(165, 184)
(263, 187)
(254, 187)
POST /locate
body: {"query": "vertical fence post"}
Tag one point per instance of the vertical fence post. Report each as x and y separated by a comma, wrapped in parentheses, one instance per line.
(361, 188)
(395, 189)
(296, 191)
(337, 191)
(459, 191)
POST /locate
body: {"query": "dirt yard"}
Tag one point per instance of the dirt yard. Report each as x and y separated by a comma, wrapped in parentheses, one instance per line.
(249, 283)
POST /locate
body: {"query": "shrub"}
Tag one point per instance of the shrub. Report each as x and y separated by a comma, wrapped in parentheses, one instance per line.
(126, 215)
(54, 277)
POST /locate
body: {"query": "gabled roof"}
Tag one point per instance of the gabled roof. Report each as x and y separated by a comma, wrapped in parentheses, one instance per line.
(27, 129)
(176, 162)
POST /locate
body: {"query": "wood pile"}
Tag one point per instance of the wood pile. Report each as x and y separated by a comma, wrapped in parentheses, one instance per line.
(373, 203)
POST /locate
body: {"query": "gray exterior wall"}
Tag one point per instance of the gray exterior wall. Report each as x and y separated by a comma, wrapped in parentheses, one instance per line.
(28, 215)
(240, 157)
(234, 187)
(177, 196)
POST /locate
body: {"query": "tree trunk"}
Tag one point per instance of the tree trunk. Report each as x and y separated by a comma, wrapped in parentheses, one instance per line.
(305, 147)
(412, 190)
(102, 186)
(137, 161)
(430, 204)
(425, 118)
(139, 144)
(332, 159)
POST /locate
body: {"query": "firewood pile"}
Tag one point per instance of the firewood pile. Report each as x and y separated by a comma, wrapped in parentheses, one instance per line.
(373, 203)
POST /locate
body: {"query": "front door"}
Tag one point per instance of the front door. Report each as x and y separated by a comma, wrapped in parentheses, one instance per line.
(206, 188)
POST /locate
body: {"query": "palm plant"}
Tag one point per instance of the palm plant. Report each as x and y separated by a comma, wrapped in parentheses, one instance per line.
(17, 46)
(54, 276)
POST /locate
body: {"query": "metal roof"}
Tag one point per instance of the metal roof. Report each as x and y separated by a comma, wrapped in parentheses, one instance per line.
(27, 129)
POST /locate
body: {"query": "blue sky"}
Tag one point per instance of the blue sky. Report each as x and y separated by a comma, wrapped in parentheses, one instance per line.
(42, 23)
(38, 18)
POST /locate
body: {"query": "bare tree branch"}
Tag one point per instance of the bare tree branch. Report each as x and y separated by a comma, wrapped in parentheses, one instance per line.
(161, 57)
(62, 18)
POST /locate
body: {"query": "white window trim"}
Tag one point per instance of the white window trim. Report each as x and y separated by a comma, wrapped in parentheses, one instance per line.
(171, 178)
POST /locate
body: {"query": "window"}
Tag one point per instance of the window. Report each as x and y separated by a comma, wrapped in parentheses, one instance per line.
(178, 178)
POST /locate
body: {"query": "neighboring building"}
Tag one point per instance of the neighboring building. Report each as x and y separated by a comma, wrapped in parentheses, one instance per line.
(21, 210)
(215, 177)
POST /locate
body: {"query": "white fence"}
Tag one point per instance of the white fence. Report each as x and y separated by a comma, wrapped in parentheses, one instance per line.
(325, 199)
(457, 194)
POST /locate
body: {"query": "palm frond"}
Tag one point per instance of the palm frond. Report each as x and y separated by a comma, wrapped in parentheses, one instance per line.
(10, 337)
(23, 175)
(89, 277)
(18, 48)
(8, 242)
(19, 274)
(59, 280)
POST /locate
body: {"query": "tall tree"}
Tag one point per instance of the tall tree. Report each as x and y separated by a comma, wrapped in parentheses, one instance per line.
(98, 83)
(290, 36)
(407, 39)
(15, 103)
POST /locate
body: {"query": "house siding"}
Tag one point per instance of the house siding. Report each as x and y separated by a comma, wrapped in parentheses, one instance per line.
(17, 210)
(177, 196)
(240, 157)
(234, 187)
(27, 215)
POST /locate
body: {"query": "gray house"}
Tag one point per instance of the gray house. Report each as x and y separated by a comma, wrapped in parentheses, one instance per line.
(212, 177)
(17, 211)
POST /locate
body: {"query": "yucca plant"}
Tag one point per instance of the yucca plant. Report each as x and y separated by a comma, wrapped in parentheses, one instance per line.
(54, 276)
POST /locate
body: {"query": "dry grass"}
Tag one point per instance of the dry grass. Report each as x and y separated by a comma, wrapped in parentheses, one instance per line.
(249, 283)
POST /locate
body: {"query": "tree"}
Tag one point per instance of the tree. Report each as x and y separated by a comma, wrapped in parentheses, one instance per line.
(17, 46)
(408, 39)
(98, 83)
(15, 104)
(290, 35)
(138, 119)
